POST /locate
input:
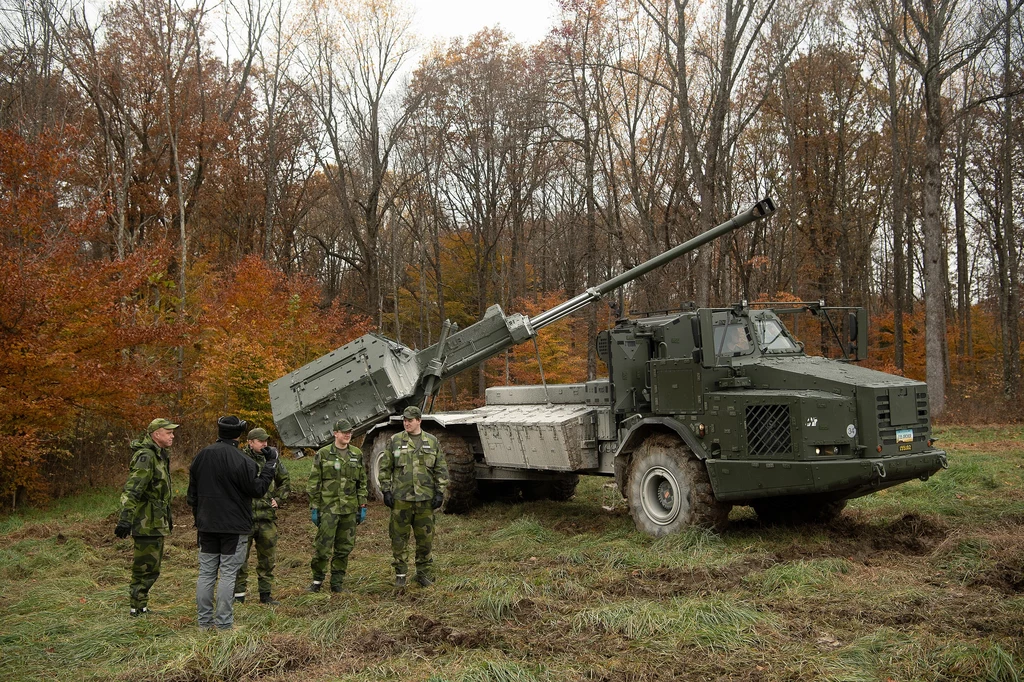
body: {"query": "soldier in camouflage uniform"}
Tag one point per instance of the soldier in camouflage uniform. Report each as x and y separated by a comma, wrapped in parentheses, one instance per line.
(264, 522)
(413, 478)
(337, 500)
(146, 509)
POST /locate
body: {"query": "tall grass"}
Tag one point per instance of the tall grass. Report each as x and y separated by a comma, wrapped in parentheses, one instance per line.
(914, 583)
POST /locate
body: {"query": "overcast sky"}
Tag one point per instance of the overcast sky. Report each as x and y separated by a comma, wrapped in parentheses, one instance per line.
(527, 20)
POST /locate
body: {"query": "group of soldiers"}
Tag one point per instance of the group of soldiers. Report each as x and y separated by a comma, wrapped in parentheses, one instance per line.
(235, 492)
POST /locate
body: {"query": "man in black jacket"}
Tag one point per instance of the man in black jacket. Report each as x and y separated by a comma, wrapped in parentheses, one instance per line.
(222, 484)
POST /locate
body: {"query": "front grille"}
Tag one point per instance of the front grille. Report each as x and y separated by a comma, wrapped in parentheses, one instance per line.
(887, 432)
(768, 430)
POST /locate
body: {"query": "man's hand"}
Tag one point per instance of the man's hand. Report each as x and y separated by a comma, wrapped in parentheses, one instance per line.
(361, 515)
(123, 529)
(389, 500)
(271, 458)
(437, 501)
(273, 503)
(314, 516)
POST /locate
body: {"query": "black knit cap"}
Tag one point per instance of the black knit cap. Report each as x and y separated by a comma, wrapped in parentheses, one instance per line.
(231, 427)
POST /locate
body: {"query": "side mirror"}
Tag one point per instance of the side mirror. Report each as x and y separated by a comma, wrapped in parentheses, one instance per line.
(857, 322)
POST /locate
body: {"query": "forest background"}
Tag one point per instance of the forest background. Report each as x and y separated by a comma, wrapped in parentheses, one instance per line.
(196, 198)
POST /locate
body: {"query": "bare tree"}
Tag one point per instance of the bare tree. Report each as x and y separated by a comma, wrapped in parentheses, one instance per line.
(937, 38)
(710, 48)
(32, 97)
(578, 59)
(357, 51)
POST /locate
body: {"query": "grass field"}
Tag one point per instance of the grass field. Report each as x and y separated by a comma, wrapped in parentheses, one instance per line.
(920, 582)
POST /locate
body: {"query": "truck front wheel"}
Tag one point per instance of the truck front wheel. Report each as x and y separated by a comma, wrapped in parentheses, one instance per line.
(669, 489)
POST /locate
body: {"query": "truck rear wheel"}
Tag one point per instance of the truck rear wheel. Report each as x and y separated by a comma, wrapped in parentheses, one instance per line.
(376, 454)
(669, 489)
(562, 489)
(461, 495)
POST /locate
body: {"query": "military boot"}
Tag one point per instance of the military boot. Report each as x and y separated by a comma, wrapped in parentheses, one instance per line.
(135, 613)
(240, 597)
(315, 587)
(265, 598)
(400, 580)
(424, 580)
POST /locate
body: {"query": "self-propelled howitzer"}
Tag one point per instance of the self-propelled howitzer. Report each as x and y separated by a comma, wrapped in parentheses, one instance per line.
(371, 378)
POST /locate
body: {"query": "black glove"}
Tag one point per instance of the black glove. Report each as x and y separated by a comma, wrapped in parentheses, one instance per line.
(270, 458)
(437, 501)
(389, 500)
(123, 529)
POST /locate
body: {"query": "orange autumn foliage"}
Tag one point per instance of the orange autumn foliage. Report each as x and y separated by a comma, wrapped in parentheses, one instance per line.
(255, 326)
(71, 326)
(563, 348)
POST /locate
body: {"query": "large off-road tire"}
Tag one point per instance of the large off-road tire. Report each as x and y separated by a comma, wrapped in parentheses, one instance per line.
(372, 457)
(669, 489)
(562, 489)
(797, 509)
(462, 492)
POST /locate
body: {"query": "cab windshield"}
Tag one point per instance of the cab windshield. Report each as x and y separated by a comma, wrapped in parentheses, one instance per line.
(774, 338)
(732, 337)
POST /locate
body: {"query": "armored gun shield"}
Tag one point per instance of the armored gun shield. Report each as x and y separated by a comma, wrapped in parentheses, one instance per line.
(357, 381)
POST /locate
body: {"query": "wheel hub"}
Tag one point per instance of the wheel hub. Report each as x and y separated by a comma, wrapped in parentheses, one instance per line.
(665, 495)
(658, 495)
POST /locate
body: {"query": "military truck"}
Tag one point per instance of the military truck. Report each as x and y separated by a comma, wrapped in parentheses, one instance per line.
(702, 409)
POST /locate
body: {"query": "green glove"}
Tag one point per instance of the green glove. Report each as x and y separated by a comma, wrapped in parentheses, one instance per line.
(314, 515)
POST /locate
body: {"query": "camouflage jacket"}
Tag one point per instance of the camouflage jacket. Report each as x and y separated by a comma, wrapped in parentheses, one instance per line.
(411, 473)
(337, 482)
(279, 487)
(146, 499)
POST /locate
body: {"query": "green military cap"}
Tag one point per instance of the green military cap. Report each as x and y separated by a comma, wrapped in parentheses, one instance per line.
(412, 412)
(259, 434)
(343, 425)
(160, 423)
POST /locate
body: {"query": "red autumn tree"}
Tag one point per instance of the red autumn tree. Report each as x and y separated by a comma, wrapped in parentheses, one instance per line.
(76, 333)
(257, 325)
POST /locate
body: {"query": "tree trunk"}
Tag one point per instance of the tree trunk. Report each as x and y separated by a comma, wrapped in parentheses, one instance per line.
(899, 255)
(934, 286)
(1010, 307)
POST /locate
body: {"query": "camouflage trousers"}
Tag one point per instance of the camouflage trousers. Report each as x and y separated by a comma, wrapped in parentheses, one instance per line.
(335, 538)
(149, 552)
(417, 517)
(264, 536)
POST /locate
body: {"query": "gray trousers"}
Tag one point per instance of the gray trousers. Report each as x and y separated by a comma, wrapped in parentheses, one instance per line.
(209, 566)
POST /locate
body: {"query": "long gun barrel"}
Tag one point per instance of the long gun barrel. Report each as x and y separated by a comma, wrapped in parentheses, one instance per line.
(371, 378)
(756, 212)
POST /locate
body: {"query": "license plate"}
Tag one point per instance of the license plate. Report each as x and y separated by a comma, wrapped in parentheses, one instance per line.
(905, 436)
